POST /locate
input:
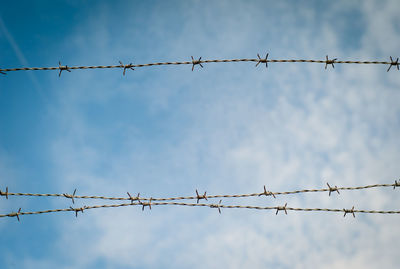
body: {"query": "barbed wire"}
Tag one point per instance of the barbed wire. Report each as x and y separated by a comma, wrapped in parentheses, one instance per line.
(219, 206)
(199, 62)
(198, 197)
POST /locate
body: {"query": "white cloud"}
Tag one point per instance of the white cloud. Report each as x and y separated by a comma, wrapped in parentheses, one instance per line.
(233, 128)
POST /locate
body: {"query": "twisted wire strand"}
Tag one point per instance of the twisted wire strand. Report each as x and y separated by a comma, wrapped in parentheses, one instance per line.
(395, 63)
(277, 208)
(266, 193)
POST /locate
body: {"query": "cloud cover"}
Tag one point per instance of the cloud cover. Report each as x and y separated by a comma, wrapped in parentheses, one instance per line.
(227, 128)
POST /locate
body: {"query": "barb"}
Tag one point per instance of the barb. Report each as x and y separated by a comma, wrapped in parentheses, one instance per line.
(199, 62)
(330, 62)
(281, 208)
(128, 66)
(80, 209)
(146, 204)
(351, 211)
(66, 68)
(199, 197)
(70, 196)
(394, 185)
(15, 214)
(133, 198)
(4, 73)
(260, 60)
(194, 62)
(219, 206)
(4, 193)
(332, 189)
(393, 63)
(267, 193)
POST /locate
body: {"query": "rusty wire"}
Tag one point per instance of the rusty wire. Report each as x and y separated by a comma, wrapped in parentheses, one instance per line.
(198, 196)
(284, 208)
(199, 62)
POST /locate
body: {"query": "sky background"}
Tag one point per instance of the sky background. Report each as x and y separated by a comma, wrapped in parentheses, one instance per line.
(226, 128)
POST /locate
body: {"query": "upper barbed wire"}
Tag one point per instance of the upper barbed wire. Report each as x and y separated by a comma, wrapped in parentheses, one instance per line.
(193, 62)
(198, 197)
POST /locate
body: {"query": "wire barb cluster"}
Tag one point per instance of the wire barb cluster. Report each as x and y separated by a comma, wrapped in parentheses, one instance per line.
(332, 189)
(331, 62)
(217, 206)
(80, 209)
(393, 63)
(4, 193)
(128, 66)
(146, 204)
(196, 62)
(281, 208)
(350, 211)
(66, 68)
(15, 214)
(199, 197)
(199, 62)
(267, 193)
(70, 196)
(133, 198)
(261, 60)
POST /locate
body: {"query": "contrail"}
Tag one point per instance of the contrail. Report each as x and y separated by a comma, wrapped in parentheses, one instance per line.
(20, 57)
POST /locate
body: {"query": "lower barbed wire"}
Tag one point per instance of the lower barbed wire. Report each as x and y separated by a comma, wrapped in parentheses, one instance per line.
(211, 205)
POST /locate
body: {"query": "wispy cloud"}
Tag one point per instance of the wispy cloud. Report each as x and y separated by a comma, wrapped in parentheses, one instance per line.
(250, 127)
(227, 129)
(21, 57)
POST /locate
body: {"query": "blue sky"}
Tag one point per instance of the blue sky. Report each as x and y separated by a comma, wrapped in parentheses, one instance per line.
(225, 128)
